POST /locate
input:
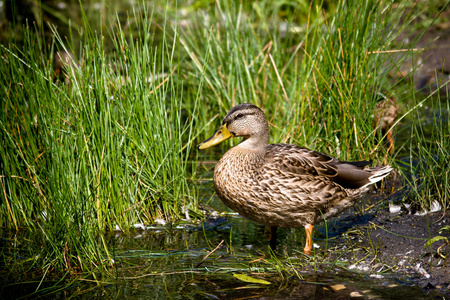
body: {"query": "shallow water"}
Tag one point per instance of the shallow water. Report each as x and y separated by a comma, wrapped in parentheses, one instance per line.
(168, 262)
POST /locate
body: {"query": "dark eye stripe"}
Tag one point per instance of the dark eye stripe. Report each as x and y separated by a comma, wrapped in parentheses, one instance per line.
(238, 116)
(241, 115)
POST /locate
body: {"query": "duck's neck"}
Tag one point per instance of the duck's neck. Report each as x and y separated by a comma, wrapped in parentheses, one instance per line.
(256, 142)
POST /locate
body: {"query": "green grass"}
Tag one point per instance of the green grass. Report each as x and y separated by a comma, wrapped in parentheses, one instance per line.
(423, 152)
(311, 79)
(427, 175)
(110, 142)
(105, 147)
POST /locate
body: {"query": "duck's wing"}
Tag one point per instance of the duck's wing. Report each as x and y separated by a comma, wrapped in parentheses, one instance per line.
(315, 184)
(300, 179)
(300, 161)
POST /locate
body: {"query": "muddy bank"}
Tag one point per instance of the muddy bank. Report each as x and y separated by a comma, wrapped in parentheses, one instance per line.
(393, 246)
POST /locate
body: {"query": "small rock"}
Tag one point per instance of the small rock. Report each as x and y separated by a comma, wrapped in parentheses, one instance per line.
(161, 222)
(393, 209)
(139, 226)
(422, 271)
(355, 295)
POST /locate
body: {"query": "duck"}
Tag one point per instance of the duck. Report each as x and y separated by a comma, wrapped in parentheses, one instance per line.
(385, 115)
(283, 185)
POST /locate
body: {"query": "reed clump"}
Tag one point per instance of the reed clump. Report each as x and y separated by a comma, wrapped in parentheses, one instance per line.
(101, 147)
(107, 143)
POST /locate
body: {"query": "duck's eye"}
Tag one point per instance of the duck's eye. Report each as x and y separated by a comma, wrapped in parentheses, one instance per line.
(239, 116)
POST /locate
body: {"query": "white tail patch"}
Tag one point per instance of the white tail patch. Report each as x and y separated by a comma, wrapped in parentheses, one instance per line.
(378, 174)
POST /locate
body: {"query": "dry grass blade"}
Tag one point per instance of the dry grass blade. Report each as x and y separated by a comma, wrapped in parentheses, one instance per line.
(206, 256)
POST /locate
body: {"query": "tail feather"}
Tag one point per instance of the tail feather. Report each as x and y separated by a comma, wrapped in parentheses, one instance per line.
(354, 176)
(378, 174)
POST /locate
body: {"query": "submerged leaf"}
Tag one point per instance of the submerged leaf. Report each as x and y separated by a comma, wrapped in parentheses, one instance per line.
(246, 278)
(337, 287)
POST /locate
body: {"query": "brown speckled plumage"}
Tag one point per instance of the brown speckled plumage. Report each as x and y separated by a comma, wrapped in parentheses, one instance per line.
(386, 111)
(283, 185)
(385, 115)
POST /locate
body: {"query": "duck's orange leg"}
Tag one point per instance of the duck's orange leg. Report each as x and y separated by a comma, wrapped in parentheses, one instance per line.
(308, 244)
(391, 142)
(273, 238)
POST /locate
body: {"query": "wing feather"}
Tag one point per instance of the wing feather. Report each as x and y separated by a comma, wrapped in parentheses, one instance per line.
(301, 161)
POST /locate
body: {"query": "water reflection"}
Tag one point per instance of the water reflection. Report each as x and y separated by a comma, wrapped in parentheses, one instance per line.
(160, 262)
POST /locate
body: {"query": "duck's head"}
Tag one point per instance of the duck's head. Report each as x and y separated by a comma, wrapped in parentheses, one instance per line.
(244, 120)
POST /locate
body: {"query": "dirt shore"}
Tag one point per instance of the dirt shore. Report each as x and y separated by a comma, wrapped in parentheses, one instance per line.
(395, 243)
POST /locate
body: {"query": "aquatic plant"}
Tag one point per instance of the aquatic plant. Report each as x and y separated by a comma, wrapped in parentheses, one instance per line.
(105, 143)
(102, 147)
(317, 81)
